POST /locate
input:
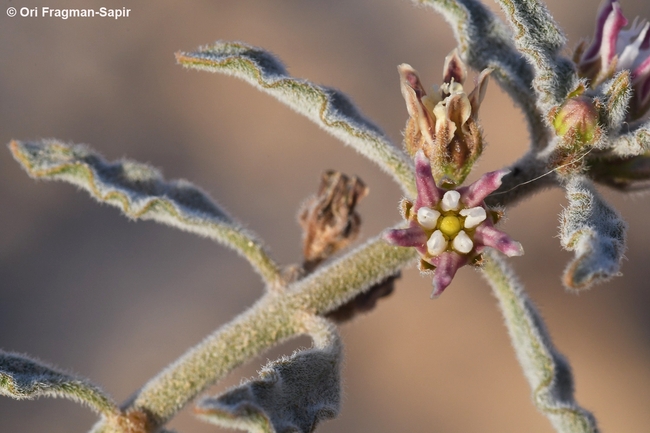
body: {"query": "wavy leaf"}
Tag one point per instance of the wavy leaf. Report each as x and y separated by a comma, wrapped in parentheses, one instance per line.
(292, 394)
(141, 193)
(595, 231)
(485, 42)
(23, 378)
(539, 38)
(328, 108)
(635, 142)
(548, 372)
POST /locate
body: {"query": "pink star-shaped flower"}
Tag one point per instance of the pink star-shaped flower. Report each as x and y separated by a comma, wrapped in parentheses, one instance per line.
(450, 228)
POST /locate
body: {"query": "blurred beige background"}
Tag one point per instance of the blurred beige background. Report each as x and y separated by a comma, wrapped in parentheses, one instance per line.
(116, 301)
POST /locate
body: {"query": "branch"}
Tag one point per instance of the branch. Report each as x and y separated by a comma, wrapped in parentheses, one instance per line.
(271, 320)
(291, 394)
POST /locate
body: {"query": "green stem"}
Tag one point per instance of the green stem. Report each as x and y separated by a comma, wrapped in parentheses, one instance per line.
(274, 318)
(547, 371)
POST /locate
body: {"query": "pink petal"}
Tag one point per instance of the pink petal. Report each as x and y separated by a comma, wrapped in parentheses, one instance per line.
(413, 236)
(446, 266)
(641, 83)
(609, 23)
(474, 194)
(489, 236)
(642, 72)
(428, 193)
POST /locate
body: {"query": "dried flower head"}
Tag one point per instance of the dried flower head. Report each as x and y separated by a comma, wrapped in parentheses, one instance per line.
(450, 228)
(328, 219)
(443, 123)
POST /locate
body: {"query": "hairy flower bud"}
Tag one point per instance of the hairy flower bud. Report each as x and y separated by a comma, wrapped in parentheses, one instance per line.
(443, 123)
(577, 119)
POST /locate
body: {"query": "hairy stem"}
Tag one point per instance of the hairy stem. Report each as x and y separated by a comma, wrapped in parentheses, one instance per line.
(547, 371)
(272, 319)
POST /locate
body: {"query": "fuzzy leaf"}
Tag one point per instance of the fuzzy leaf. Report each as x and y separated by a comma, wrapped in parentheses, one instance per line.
(141, 193)
(635, 142)
(595, 231)
(614, 102)
(539, 38)
(548, 372)
(292, 394)
(23, 378)
(485, 42)
(328, 108)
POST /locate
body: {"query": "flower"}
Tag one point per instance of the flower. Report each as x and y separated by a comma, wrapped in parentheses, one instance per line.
(614, 49)
(450, 228)
(443, 124)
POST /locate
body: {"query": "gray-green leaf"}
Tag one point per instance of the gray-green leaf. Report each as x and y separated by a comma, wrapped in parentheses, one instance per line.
(548, 372)
(540, 39)
(141, 192)
(614, 102)
(635, 142)
(24, 378)
(595, 231)
(328, 108)
(292, 394)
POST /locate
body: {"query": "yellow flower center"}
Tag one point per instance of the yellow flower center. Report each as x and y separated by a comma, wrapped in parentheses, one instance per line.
(450, 225)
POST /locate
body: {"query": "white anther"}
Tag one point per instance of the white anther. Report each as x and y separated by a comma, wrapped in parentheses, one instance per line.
(436, 243)
(450, 201)
(428, 218)
(474, 216)
(462, 243)
(455, 88)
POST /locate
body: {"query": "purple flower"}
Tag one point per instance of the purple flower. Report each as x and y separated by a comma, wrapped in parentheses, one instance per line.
(614, 49)
(450, 228)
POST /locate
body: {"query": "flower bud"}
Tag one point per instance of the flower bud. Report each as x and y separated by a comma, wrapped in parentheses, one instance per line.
(577, 120)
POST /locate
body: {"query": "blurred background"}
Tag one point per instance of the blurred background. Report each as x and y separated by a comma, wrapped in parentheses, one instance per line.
(83, 288)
